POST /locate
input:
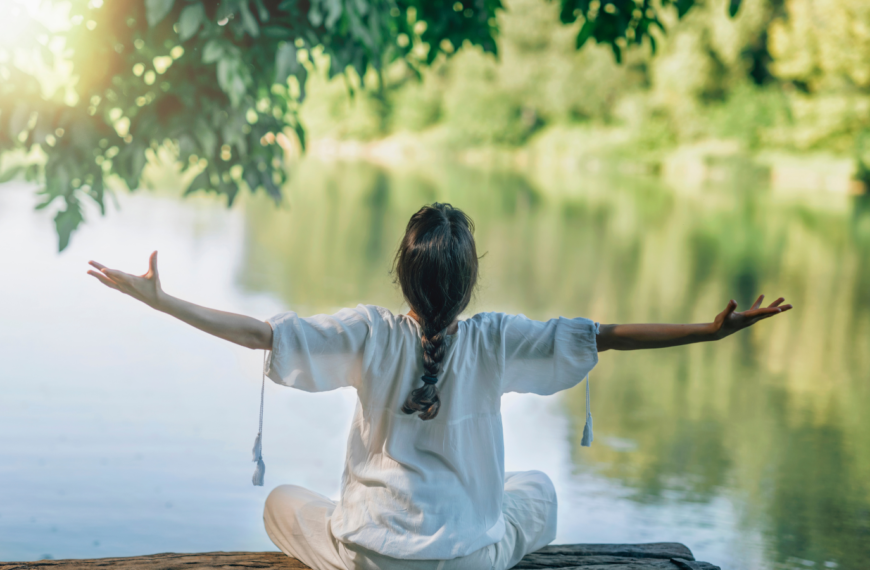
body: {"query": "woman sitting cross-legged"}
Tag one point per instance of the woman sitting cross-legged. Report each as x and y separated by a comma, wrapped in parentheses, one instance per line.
(424, 485)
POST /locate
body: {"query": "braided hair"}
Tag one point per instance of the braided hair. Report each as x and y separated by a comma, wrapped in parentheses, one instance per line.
(436, 266)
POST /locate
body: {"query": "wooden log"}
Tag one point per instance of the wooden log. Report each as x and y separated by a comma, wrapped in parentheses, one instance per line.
(654, 556)
(566, 555)
(621, 562)
(169, 561)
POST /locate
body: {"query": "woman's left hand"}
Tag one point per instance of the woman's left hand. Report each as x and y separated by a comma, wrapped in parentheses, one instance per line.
(730, 321)
(145, 288)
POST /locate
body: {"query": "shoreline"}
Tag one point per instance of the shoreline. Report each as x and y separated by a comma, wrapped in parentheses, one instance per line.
(567, 151)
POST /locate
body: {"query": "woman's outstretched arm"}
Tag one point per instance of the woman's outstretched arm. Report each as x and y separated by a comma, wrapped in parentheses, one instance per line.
(246, 331)
(728, 322)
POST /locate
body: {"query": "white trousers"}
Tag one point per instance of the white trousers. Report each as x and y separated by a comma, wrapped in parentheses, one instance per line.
(297, 521)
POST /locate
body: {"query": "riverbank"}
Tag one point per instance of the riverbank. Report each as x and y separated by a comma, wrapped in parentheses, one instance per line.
(590, 150)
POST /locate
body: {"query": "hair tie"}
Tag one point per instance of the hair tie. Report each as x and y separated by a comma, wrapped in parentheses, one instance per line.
(428, 379)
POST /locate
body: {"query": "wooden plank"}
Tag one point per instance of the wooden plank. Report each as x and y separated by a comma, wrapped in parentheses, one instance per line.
(647, 564)
(653, 556)
(591, 562)
(567, 555)
(169, 561)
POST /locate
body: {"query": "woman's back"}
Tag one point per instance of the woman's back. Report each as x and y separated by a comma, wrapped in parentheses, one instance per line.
(426, 489)
(424, 483)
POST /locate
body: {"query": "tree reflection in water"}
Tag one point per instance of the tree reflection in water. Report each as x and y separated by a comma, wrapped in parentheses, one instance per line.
(776, 416)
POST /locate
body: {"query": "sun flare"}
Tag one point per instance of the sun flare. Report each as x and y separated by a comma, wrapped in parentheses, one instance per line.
(23, 20)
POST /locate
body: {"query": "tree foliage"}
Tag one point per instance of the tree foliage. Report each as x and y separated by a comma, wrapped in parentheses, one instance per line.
(219, 83)
(620, 23)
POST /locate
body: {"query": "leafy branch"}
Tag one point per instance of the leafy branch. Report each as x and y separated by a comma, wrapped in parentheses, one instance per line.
(219, 83)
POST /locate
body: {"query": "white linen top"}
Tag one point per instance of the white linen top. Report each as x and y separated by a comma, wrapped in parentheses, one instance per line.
(426, 490)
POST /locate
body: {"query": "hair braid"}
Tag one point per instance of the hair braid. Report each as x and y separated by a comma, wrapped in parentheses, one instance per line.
(425, 399)
(436, 265)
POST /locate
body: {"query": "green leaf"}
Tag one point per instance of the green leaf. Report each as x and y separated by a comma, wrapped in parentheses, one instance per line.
(277, 32)
(302, 76)
(207, 139)
(66, 221)
(733, 7)
(568, 11)
(45, 202)
(97, 193)
(285, 62)
(201, 182)
(130, 162)
(251, 176)
(269, 184)
(230, 190)
(186, 147)
(315, 16)
(212, 51)
(585, 32)
(300, 132)
(248, 21)
(57, 178)
(233, 79)
(264, 13)
(224, 74)
(334, 9)
(156, 10)
(617, 52)
(683, 7)
(11, 173)
(360, 31)
(190, 20)
(362, 7)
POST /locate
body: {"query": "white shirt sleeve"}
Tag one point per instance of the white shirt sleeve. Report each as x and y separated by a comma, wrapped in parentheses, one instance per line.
(546, 357)
(319, 353)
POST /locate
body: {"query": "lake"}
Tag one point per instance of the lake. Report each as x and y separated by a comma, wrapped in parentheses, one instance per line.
(124, 432)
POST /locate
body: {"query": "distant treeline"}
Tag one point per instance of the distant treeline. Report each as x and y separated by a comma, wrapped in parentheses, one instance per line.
(781, 74)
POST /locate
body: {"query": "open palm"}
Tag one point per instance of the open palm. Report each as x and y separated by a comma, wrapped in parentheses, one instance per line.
(730, 321)
(145, 288)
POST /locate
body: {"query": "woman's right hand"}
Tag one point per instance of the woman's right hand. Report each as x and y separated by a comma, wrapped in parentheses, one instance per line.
(242, 330)
(145, 288)
(730, 321)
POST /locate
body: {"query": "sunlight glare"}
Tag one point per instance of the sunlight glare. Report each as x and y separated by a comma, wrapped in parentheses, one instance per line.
(19, 19)
(15, 24)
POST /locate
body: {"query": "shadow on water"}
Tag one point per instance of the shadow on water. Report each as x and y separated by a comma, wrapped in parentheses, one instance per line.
(775, 417)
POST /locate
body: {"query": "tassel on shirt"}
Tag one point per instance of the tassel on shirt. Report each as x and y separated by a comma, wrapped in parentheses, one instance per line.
(586, 441)
(260, 471)
(587, 432)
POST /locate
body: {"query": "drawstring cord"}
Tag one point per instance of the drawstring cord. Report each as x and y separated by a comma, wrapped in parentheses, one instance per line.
(587, 429)
(260, 471)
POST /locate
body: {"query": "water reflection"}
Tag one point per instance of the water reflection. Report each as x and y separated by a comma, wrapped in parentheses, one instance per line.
(775, 417)
(754, 451)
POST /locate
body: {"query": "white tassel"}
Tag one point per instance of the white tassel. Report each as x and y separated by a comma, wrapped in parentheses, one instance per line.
(586, 441)
(260, 471)
(257, 452)
(587, 432)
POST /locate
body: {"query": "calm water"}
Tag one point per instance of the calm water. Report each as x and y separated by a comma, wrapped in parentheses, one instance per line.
(124, 432)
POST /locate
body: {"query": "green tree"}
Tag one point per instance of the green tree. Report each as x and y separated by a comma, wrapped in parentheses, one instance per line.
(215, 82)
(820, 53)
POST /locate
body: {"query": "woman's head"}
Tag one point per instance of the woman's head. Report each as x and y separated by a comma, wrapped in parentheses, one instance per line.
(436, 267)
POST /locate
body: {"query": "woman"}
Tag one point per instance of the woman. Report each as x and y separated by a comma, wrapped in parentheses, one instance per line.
(424, 484)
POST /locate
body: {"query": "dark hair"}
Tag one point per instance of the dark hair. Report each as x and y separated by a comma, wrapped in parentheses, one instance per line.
(436, 266)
